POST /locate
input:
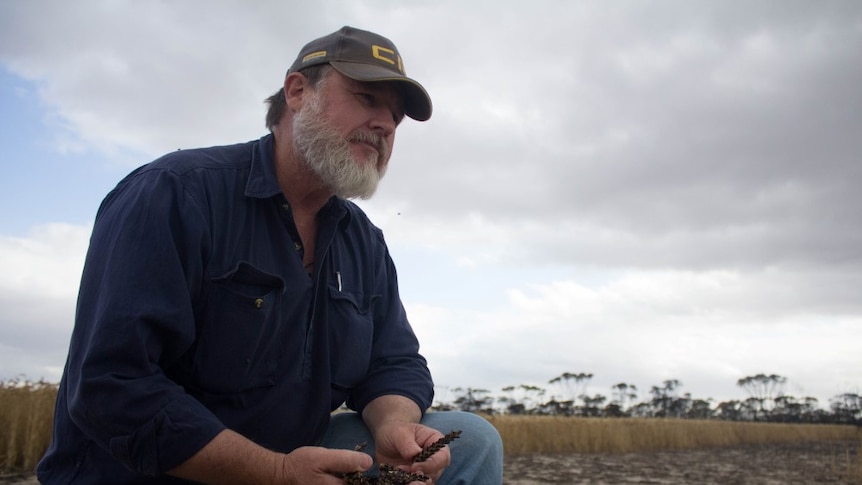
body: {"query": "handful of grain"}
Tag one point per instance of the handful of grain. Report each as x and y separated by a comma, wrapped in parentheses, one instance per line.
(389, 475)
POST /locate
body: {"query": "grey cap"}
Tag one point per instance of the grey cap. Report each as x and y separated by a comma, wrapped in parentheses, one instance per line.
(365, 56)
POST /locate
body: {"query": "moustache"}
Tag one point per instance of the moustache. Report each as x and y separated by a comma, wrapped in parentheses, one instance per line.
(372, 139)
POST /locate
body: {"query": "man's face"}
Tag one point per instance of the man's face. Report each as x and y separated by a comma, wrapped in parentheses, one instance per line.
(345, 131)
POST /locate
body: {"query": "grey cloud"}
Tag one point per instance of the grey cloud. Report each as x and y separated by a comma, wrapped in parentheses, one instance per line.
(157, 76)
(733, 136)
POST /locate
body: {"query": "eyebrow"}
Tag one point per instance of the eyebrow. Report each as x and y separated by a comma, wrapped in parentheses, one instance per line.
(383, 87)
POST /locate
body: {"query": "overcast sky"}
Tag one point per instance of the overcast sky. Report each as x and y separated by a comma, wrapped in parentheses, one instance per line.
(643, 191)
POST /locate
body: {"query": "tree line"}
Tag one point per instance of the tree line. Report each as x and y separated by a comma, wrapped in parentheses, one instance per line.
(568, 396)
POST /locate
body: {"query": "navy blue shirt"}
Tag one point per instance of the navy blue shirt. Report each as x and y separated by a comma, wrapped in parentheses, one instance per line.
(195, 314)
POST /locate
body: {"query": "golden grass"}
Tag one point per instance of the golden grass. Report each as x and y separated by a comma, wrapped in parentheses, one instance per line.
(26, 417)
(548, 434)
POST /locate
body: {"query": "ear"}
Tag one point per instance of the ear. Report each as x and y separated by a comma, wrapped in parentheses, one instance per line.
(296, 85)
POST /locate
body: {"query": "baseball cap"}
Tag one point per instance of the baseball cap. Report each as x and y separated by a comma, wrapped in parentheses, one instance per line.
(368, 57)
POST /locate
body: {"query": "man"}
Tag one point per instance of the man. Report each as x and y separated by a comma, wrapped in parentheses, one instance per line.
(232, 299)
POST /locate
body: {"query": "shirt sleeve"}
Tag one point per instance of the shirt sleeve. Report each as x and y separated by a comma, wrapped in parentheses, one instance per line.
(397, 367)
(134, 321)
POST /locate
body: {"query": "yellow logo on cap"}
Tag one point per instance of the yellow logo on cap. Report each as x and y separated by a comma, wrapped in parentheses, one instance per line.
(314, 55)
(380, 53)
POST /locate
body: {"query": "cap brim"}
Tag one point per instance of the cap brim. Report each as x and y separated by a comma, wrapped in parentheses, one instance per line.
(417, 102)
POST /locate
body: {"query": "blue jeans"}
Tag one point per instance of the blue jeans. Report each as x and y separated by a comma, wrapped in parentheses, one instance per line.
(477, 456)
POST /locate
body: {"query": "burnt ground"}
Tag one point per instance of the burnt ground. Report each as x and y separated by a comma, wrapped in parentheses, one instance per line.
(777, 464)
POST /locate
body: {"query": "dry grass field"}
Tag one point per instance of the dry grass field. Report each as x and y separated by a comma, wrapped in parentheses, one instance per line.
(545, 450)
(26, 416)
(548, 434)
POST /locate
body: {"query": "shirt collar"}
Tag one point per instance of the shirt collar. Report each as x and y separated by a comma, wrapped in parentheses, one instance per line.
(262, 182)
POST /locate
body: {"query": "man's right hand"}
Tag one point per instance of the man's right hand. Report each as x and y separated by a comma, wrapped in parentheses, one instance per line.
(314, 465)
(231, 459)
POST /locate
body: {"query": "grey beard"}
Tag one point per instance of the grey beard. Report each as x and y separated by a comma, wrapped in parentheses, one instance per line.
(328, 155)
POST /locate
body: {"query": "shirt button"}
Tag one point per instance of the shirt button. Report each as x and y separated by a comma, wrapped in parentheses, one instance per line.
(258, 303)
(297, 246)
(285, 207)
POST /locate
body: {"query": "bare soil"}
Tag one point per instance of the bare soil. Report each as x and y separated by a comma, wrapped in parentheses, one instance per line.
(780, 464)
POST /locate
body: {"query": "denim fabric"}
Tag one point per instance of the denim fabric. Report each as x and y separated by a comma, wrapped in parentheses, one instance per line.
(477, 455)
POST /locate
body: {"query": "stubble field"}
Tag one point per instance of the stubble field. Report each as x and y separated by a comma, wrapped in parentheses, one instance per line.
(770, 464)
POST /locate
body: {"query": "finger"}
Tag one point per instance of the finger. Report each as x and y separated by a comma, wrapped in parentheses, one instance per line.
(436, 455)
(434, 465)
(345, 461)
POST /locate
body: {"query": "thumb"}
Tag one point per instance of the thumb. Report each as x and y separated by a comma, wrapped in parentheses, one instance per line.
(345, 461)
(407, 447)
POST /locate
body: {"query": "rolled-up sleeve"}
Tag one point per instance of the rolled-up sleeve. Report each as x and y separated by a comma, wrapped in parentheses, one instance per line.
(135, 320)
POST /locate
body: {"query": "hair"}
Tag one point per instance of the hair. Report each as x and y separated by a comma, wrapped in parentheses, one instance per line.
(278, 103)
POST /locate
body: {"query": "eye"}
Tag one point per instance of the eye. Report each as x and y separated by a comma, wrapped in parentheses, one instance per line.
(367, 99)
(374, 100)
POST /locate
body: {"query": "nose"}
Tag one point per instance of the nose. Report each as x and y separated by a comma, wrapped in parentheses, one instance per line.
(383, 121)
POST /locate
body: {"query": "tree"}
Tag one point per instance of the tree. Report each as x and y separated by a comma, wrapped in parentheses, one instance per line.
(573, 386)
(729, 410)
(642, 410)
(699, 409)
(847, 408)
(523, 399)
(613, 410)
(763, 389)
(789, 409)
(810, 411)
(592, 405)
(624, 395)
(663, 397)
(474, 400)
(509, 403)
(680, 406)
(556, 408)
(751, 409)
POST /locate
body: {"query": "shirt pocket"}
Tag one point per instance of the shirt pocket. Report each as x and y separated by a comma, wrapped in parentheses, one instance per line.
(237, 344)
(351, 334)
